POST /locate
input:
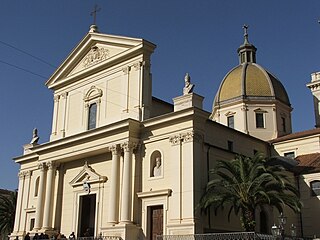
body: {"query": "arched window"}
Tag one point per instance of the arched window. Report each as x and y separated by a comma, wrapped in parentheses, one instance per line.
(92, 102)
(92, 116)
(36, 187)
(315, 188)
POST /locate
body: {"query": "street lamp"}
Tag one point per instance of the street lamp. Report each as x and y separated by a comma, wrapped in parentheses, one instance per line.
(278, 231)
(282, 223)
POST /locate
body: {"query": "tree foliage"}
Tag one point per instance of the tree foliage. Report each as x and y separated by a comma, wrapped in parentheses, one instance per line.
(244, 184)
(7, 212)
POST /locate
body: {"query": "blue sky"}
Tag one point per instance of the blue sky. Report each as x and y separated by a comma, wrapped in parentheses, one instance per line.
(196, 36)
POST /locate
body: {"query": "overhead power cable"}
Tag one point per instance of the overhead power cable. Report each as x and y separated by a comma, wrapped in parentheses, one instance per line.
(29, 54)
(23, 69)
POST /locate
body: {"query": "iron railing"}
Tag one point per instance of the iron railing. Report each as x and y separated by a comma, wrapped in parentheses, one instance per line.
(100, 238)
(223, 236)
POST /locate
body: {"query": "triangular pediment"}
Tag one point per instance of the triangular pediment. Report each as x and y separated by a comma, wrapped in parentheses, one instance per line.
(87, 174)
(94, 53)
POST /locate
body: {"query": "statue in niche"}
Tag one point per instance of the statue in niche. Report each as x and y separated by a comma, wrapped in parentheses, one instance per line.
(35, 137)
(188, 86)
(157, 167)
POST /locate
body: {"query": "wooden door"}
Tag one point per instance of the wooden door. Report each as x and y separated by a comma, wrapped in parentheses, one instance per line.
(156, 221)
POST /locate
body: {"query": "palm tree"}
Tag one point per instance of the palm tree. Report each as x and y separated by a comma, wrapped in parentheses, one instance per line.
(7, 212)
(244, 183)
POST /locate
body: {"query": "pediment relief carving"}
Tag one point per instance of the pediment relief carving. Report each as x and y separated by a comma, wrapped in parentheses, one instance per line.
(98, 53)
(88, 175)
(95, 55)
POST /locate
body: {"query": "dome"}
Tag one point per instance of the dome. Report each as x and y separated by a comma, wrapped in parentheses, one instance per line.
(250, 81)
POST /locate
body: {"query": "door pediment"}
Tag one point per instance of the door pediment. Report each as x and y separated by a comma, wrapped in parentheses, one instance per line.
(88, 175)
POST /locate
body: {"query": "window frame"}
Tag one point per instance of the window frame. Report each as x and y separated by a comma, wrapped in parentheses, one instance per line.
(230, 124)
(263, 123)
(92, 97)
(315, 191)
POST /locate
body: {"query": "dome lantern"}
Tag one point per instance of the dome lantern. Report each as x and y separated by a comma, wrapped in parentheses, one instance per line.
(247, 51)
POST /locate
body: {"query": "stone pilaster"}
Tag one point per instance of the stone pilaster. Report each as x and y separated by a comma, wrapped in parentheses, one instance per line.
(39, 207)
(47, 225)
(126, 200)
(16, 226)
(113, 213)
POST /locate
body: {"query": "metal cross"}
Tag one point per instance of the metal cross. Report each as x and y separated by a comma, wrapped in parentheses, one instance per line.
(245, 28)
(94, 13)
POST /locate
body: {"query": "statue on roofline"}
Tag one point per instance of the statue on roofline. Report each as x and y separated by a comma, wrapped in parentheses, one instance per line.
(188, 86)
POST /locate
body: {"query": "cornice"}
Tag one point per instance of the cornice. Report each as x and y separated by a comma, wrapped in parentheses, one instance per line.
(98, 133)
(181, 115)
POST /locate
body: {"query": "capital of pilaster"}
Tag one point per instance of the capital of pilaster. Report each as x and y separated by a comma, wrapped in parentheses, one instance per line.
(185, 137)
(51, 165)
(137, 65)
(28, 173)
(115, 149)
(126, 70)
(21, 175)
(175, 139)
(129, 146)
(64, 95)
(191, 136)
(42, 166)
(56, 98)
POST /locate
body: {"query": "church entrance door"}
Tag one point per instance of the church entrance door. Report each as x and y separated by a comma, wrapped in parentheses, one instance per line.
(156, 222)
(87, 213)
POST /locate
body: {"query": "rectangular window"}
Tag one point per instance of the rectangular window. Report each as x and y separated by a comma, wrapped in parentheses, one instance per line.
(289, 155)
(315, 188)
(92, 116)
(259, 120)
(230, 146)
(283, 121)
(230, 120)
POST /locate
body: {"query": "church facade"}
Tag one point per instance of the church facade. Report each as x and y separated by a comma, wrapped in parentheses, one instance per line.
(121, 162)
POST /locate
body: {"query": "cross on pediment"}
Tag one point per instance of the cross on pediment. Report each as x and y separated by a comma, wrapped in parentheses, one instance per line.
(94, 13)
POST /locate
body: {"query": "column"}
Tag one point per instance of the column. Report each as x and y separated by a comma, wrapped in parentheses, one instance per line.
(39, 213)
(114, 188)
(49, 186)
(55, 114)
(126, 197)
(19, 202)
(25, 200)
(64, 113)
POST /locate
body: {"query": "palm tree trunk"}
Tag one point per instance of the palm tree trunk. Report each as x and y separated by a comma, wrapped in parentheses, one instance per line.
(248, 220)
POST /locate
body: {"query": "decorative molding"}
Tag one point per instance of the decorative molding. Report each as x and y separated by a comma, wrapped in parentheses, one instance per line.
(260, 110)
(95, 55)
(88, 175)
(93, 93)
(164, 192)
(229, 113)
